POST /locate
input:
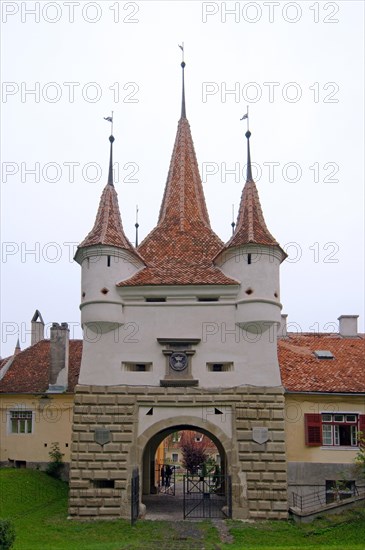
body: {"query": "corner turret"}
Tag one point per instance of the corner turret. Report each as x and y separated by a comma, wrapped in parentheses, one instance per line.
(106, 257)
(253, 256)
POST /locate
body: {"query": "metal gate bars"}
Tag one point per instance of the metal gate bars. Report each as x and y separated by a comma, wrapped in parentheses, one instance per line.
(207, 496)
(135, 496)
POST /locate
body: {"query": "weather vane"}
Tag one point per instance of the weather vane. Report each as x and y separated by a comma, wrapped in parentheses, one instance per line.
(245, 116)
(182, 50)
(110, 119)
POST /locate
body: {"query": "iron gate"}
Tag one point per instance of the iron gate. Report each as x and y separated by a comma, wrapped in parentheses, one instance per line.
(207, 496)
(135, 496)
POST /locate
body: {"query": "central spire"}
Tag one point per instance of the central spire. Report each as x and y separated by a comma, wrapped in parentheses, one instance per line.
(181, 248)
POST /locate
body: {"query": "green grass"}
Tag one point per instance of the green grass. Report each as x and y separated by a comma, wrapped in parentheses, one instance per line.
(336, 532)
(37, 504)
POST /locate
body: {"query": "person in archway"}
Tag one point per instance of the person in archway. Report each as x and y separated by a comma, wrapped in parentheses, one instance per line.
(168, 475)
(162, 475)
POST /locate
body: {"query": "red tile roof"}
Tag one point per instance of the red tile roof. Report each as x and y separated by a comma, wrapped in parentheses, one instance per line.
(251, 226)
(302, 371)
(181, 248)
(29, 371)
(108, 228)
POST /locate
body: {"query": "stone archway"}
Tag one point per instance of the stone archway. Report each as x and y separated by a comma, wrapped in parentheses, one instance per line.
(151, 438)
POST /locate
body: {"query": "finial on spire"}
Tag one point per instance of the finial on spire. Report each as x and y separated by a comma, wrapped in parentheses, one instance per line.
(183, 109)
(248, 135)
(233, 225)
(136, 225)
(111, 139)
(110, 176)
(249, 168)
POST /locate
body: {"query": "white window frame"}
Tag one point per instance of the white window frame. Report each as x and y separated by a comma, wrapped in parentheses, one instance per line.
(335, 430)
(10, 419)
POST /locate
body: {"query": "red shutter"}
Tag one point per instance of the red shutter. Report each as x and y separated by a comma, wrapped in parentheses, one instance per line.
(313, 429)
(362, 425)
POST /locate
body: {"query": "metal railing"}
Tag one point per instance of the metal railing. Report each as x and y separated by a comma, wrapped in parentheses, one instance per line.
(321, 497)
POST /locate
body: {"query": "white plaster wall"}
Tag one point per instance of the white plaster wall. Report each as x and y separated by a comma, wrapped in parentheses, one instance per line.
(254, 355)
(261, 276)
(96, 275)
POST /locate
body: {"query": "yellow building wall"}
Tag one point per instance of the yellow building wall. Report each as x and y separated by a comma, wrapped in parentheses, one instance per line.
(52, 422)
(296, 406)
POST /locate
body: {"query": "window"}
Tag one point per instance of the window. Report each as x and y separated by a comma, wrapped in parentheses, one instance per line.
(175, 457)
(219, 367)
(323, 354)
(104, 483)
(333, 430)
(21, 422)
(137, 367)
(339, 490)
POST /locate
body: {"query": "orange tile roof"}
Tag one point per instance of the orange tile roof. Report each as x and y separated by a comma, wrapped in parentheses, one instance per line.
(181, 248)
(251, 226)
(30, 369)
(302, 371)
(108, 227)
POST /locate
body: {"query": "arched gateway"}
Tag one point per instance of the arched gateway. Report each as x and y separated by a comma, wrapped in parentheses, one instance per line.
(180, 331)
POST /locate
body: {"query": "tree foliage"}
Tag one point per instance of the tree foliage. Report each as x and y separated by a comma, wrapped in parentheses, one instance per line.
(7, 534)
(55, 465)
(194, 452)
(360, 457)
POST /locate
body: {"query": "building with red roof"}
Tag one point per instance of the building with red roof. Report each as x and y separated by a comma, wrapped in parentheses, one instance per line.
(185, 332)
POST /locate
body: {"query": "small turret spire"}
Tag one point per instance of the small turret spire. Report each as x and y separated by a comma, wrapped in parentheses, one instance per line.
(248, 135)
(110, 176)
(233, 225)
(111, 139)
(249, 168)
(136, 225)
(183, 108)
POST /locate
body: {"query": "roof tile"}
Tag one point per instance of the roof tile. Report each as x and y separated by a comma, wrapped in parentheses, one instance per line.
(302, 371)
(181, 248)
(29, 372)
(108, 227)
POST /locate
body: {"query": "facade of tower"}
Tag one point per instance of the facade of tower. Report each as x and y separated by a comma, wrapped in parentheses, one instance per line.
(180, 333)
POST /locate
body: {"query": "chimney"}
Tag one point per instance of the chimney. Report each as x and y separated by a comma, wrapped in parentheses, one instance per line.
(348, 326)
(282, 331)
(59, 351)
(37, 333)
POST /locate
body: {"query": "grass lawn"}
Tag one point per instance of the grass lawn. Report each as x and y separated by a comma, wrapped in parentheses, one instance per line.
(37, 504)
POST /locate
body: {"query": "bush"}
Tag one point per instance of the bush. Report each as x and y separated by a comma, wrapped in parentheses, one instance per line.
(55, 466)
(7, 534)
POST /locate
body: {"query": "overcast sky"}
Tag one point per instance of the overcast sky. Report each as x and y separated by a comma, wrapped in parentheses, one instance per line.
(298, 65)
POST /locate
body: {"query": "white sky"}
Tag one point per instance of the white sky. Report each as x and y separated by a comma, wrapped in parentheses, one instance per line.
(131, 47)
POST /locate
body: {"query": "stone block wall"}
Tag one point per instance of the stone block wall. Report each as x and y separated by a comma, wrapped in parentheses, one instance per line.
(259, 483)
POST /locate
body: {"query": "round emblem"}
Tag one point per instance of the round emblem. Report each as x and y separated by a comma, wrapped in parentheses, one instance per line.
(178, 361)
